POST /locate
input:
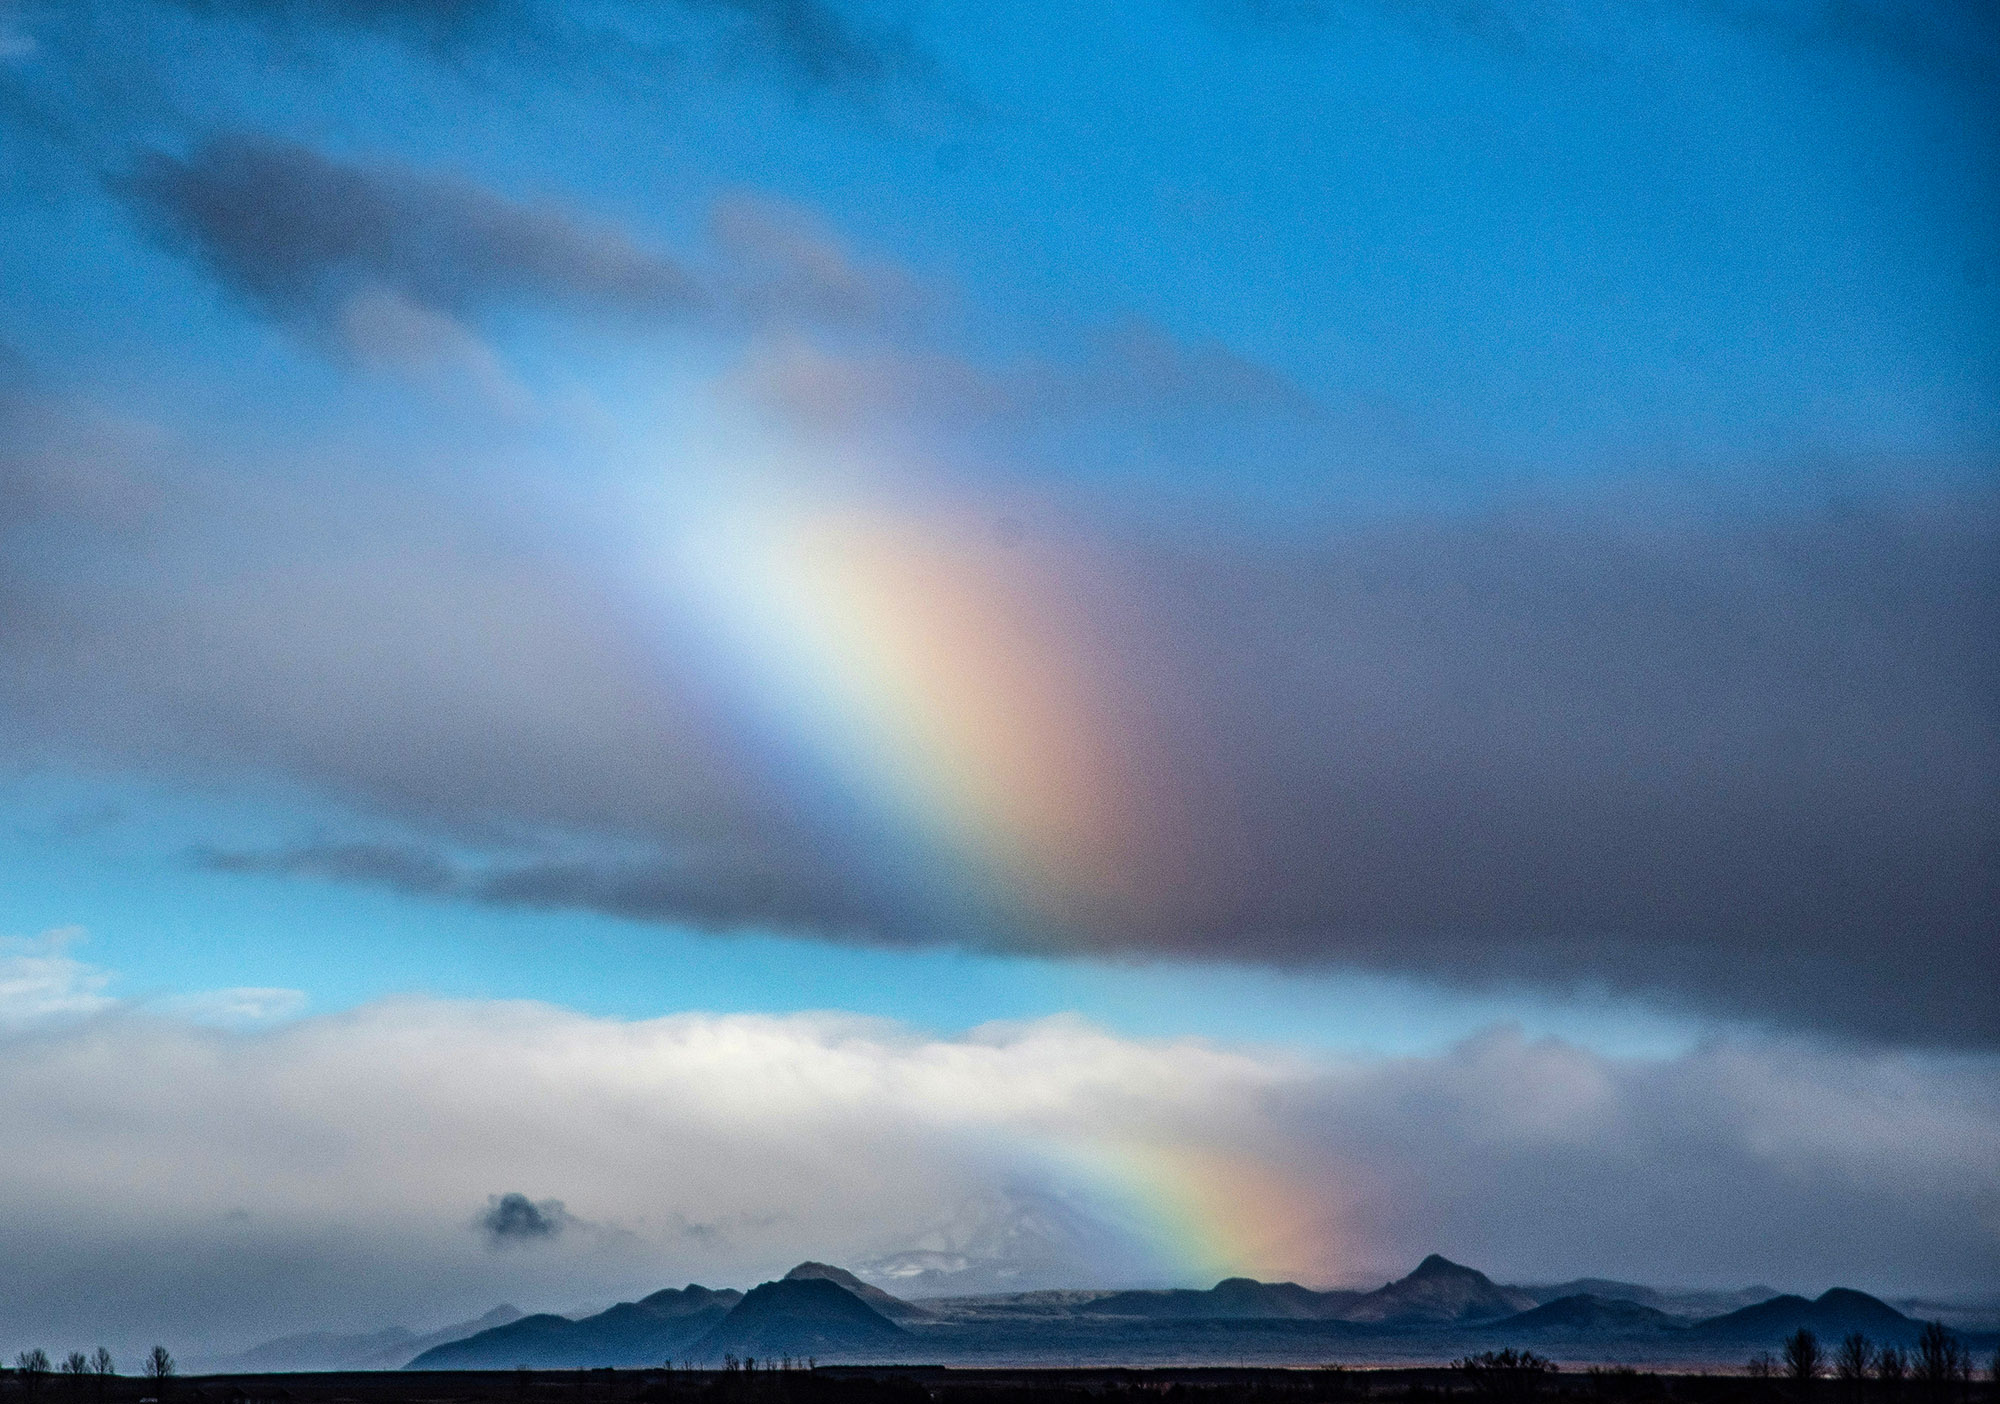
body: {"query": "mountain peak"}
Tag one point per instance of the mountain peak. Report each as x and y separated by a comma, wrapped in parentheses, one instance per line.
(893, 1307)
(1437, 1265)
(811, 1268)
(805, 1315)
(1439, 1290)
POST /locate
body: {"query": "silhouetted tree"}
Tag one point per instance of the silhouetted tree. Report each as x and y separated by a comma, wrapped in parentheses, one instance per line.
(158, 1367)
(1505, 1374)
(1852, 1363)
(1804, 1360)
(33, 1367)
(1939, 1361)
(102, 1368)
(1892, 1367)
(1761, 1366)
(75, 1368)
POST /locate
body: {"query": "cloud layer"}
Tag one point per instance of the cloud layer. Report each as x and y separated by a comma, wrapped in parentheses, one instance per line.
(207, 1187)
(1745, 766)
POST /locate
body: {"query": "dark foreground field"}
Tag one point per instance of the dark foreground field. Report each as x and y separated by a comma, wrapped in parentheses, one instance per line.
(939, 1385)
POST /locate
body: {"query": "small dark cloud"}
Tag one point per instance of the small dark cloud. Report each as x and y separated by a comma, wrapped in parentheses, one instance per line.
(400, 868)
(767, 884)
(311, 240)
(390, 264)
(514, 1218)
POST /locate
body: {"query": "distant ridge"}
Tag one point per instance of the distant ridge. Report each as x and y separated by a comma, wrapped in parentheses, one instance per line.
(1441, 1309)
(802, 1317)
(1609, 1290)
(645, 1332)
(1587, 1316)
(1232, 1299)
(1439, 1292)
(1832, 1315)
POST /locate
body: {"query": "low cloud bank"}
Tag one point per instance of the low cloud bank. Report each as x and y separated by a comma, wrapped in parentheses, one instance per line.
(209, 1187)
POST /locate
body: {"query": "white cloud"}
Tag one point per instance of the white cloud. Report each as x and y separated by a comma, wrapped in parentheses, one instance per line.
(39, 979)
(237, 1005)
(209, 1185)
(41, 982)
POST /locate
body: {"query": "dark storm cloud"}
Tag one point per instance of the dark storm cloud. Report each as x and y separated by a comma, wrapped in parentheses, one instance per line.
(514, 1218)
(1749, 768)
(1752, 769)
(303, 236)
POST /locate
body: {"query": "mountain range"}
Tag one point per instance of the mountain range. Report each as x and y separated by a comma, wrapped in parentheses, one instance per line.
(654, 1328)
(1440, 1309)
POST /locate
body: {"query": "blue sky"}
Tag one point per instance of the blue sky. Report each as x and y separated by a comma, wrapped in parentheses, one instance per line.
(1411, 541)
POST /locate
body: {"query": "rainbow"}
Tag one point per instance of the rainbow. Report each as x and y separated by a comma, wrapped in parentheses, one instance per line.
(1214, 1212)
(949, 680)
(943, 679)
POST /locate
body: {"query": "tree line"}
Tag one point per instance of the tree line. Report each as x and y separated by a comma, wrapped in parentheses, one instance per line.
(33, 1369)
(1937, 1367)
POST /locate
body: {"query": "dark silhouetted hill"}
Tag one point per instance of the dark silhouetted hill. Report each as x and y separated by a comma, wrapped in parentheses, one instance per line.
(895, 1308)
(803, 1317)
(1586, 1315)
(1832, 1315)
(1439, 1292)
(1232, 1299)
(631, 1334)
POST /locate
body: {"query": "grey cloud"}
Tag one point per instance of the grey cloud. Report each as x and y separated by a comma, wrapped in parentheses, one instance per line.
(111, 73)
(387, 264)
(302, 234)
(719, 889)
(515, 1218)
(383, 865)
(386, 261)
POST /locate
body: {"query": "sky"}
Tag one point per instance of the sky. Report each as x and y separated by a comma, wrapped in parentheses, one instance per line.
(1113, 643)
